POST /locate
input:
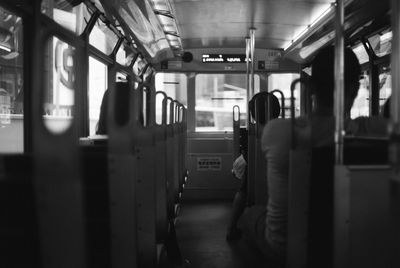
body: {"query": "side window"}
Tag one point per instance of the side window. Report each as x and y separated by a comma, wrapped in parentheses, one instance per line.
(282, 81)
(102, 38)
(382, 43)
(59, 86)
(97, 87)
(73, 18)
(11, 83)
(216, 94)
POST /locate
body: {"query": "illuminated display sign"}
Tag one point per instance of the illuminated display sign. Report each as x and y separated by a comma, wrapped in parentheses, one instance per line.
(224, 58)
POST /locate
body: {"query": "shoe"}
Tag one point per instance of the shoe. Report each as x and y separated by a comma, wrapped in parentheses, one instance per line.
(233, 235)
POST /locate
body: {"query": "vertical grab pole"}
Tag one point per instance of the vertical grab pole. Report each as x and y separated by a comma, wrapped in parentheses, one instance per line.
(252, 45)
(339, 83)
(394, 132)
(394, 128)
(236, 131)
(249, 95)
(341, 191)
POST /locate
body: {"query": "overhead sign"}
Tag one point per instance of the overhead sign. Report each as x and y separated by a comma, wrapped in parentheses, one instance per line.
(224, 58)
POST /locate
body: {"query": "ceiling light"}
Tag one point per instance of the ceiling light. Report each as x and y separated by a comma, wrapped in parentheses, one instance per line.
(316, 18)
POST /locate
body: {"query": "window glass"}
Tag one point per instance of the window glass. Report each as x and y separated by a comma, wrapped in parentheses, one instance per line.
(97, 87)
(174, 85)
(282, 81)
(102, 38)
(382, 43)
(11, 83)
(216, 94)
(59, 86)
(361, 53)
(361, 103)
(98, 5)
(62, 12)
(385, 84)
(124, 55)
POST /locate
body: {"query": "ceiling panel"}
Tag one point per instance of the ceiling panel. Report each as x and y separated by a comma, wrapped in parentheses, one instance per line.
(225, 23)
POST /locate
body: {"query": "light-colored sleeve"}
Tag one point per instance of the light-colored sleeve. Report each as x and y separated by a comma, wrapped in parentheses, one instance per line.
(239, 167)
(275, 145)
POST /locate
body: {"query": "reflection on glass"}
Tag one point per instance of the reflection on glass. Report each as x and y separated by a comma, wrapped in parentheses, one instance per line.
(282, 82)
(216, 94)
(102, 38)
(361, 103)
(68, 16)
(11, 83)
(97, 87)
(59, 87)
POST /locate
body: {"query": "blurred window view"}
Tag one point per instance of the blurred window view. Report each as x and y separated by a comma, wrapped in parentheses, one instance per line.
(282, 81)
(73, 18)
(216, 94)
(102, 38)
(11, 83)
(175, 86)
(58, 106)
(381, 43)
(97, 87)
(361, 53)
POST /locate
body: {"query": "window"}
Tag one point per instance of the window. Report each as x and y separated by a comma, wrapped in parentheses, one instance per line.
(11, 83)
(124, 55)
(102, 38)
(282, 81)
(216, 94)
(382, 43)
(59, 86)
(361, 103)
(68, 16)
(361, 54)
(97, 87)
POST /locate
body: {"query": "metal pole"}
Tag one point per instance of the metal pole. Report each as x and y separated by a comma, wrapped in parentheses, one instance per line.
(248, 79)
(339, 82)
(394, 129)
(252, 46)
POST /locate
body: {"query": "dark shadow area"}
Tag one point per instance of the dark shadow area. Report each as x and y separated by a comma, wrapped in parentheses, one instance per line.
(201, 230)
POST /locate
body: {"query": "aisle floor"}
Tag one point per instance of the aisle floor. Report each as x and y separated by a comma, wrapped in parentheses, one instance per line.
(201, 230)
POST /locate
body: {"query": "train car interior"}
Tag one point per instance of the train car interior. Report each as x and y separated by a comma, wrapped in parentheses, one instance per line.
(142, 133)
